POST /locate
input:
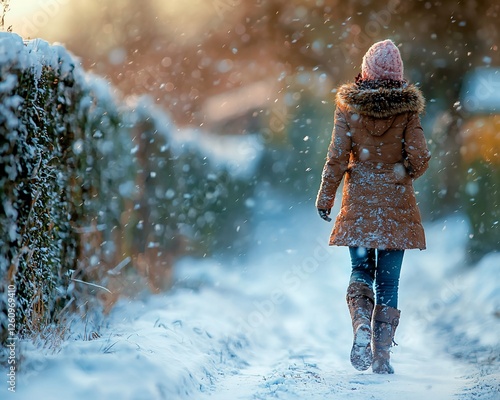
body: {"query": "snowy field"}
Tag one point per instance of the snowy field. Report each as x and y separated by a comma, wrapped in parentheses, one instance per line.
(274, 324)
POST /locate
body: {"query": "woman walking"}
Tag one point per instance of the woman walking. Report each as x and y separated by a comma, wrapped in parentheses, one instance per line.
(379, 146)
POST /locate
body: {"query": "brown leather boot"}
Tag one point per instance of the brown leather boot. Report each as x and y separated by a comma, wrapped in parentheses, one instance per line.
(360, 302)
(385, 321)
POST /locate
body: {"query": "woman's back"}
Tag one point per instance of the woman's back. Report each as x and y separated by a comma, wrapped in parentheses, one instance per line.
(378, 114)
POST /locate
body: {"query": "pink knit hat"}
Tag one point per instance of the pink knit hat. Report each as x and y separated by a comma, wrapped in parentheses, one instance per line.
(382, 61)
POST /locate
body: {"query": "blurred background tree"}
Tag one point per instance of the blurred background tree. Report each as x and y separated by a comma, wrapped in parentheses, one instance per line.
(271, 67)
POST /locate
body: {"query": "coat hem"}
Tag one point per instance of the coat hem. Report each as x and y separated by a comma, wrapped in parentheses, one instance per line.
(380, 247)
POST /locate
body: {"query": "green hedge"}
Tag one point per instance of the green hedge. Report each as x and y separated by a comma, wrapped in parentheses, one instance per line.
(58, 136)
(87, 183)
(38, 246)
(185, 192)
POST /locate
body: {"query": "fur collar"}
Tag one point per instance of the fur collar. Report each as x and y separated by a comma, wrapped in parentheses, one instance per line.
(380, 99)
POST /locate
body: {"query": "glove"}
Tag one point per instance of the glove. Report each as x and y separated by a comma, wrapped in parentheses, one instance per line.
(324, 214)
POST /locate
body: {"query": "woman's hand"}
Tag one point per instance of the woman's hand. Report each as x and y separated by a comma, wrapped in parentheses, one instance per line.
(324, 214)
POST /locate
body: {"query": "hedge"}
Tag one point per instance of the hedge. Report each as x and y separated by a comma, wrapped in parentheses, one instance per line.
(96, 191)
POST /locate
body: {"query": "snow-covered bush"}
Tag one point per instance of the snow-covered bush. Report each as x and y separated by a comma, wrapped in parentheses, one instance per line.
(89, 186)
(37, 242)
(60, 163)
(190, 189)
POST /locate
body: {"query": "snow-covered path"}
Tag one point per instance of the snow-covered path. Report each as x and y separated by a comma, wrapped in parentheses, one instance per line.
(275, 325)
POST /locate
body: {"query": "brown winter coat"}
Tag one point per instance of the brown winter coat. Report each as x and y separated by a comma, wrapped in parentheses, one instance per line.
(379, 145)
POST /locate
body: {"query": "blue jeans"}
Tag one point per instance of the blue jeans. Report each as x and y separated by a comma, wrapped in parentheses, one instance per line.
(382, 267)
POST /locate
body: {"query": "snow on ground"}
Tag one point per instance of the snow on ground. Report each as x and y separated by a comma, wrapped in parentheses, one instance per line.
(274, 324)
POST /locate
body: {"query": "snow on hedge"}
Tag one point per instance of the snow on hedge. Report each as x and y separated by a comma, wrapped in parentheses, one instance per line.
(60, 132)
(88, 184)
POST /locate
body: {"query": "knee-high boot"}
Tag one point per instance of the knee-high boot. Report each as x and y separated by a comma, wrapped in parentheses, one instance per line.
(385, 321)
(360, 302)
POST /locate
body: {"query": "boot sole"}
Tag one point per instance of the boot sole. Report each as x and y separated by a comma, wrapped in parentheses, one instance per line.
(361, 352)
